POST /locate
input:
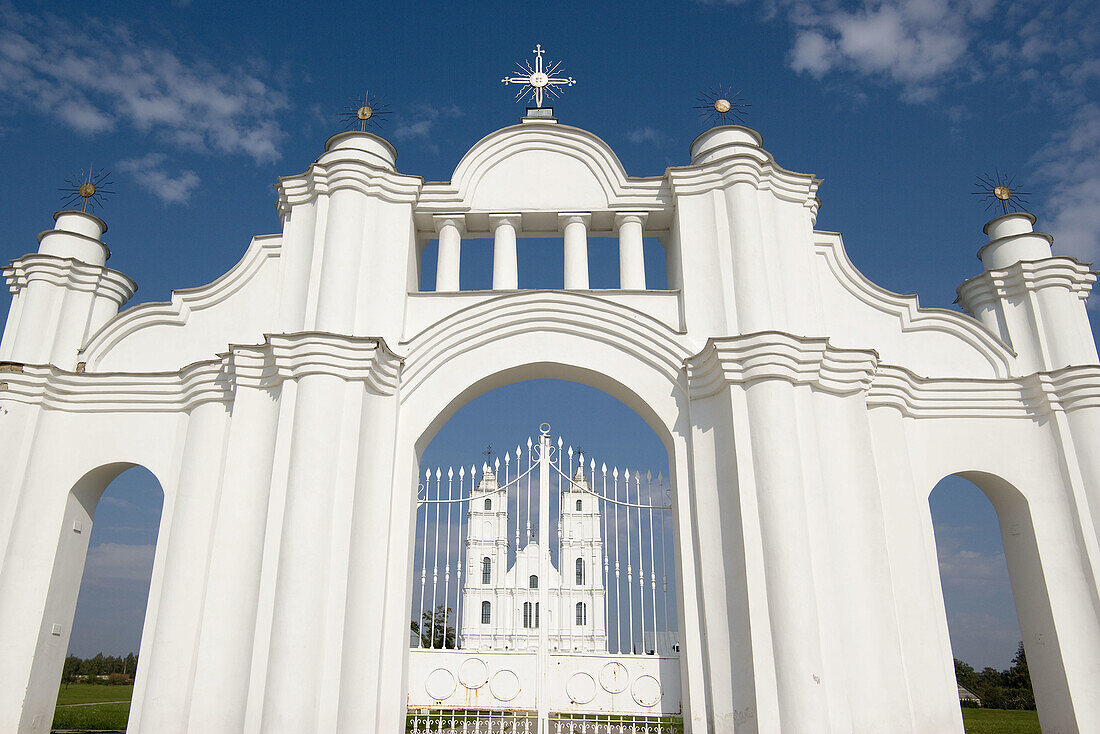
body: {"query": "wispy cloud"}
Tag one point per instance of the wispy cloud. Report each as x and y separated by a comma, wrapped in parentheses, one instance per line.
(1046, 54)
(97, 78)
(150, 173)
(645, 135)
(419, 123)
(119, 562)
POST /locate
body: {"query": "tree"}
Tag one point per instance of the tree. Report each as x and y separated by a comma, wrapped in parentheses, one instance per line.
(72, 666)
(434, 630)
(1007, 689)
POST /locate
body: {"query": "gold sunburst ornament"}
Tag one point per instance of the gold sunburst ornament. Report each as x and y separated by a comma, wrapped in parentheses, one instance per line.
(1002, 189)
(362, 111)
(721, 105)
(88, 189)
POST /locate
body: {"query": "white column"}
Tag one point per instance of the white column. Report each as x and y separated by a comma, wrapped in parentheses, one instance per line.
(631, 260)
(168, 661)
(450, 228)
(505, 262)
(296, 661)
(232, 594)
(575, 227)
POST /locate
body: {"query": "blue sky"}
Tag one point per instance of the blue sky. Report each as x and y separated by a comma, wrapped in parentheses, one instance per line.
(197, 107)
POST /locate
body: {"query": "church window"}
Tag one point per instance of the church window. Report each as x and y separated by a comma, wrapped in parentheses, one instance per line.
(580, 571)
(486, 612)
(582, 613)
(528, 621)
(579, 505)
(486, 570)
(533, 582)
(488, 504)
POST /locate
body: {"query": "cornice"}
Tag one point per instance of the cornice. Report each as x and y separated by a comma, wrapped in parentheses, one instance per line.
(1035, 395)
(1028, 275)
(349, 358)
(68, 273)
(261, 366)
(337, 172)
(773, 355)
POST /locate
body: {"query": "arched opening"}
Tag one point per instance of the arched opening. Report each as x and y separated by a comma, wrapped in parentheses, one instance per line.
(97, 600)
(997, 600)
(609, 527)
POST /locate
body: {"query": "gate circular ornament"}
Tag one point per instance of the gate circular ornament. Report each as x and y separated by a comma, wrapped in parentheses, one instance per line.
(580, 688)
(614, 678)
(505, 685)
(440, 684)
(646, 691)
(473, 673)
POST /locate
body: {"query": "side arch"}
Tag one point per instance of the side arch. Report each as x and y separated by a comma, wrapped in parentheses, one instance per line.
(65, 576)
(1055, 603)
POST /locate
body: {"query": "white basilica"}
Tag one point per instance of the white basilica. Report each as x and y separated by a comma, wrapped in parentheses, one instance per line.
(500, 602)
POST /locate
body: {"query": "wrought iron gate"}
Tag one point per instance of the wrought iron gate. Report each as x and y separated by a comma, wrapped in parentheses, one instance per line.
(564, 613)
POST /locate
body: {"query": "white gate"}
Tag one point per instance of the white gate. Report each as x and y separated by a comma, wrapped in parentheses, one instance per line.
(543, 598)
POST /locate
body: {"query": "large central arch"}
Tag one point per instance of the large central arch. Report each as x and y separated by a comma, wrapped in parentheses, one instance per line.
(621, 351)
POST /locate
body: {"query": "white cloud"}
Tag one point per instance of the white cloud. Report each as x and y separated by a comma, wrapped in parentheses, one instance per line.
(1047, 55)
(420, 122)
(96, 78)
(645, 135)
(119, 562)
(151, 175)
(1071, 164)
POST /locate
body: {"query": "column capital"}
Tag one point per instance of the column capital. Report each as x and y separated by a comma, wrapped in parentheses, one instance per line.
(496, 220)
(565, 218)
(773, 355)
(622, 218)
(458, 221)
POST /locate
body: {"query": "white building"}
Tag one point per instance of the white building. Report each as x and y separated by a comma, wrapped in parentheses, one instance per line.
(501, 610)
(807, 414)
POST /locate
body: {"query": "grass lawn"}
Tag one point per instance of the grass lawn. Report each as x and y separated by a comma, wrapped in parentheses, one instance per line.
(996, 721)
(90, 706)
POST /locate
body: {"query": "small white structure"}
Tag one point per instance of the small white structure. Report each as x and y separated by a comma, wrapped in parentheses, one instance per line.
(807, 413)
(502, 611)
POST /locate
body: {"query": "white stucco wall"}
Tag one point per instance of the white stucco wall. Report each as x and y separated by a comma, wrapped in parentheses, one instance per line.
(807, 414)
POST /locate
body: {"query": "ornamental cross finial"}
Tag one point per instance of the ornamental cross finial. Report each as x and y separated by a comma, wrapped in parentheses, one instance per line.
(538, 80)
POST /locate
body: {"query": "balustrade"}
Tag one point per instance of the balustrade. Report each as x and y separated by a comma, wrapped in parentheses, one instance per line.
(575, 228)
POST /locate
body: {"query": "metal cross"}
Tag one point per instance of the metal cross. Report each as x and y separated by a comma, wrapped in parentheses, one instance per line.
(538, 80)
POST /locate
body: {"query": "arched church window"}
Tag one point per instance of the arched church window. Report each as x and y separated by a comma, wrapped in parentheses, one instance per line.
(582, 613)
(486, 570)
(533, 582)
(486, 612)
(579, 505)
(488, 504)
(527, 614)
(580, 571)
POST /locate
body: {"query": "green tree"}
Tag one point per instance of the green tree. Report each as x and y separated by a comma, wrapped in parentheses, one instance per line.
(434, 630)
(71, 668)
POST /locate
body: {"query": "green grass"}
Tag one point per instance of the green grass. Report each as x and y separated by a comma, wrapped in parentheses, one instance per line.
(110, 709)
(996, 721)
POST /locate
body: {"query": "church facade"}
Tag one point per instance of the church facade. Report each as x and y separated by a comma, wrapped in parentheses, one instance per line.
(807, 413)
(501, 607)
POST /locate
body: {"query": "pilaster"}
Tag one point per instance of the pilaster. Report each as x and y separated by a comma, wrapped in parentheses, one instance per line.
(337, 379)
(752, 403)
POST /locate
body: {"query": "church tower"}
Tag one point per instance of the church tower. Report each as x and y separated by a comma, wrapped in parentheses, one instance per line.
(483, 600)
(582, 624)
